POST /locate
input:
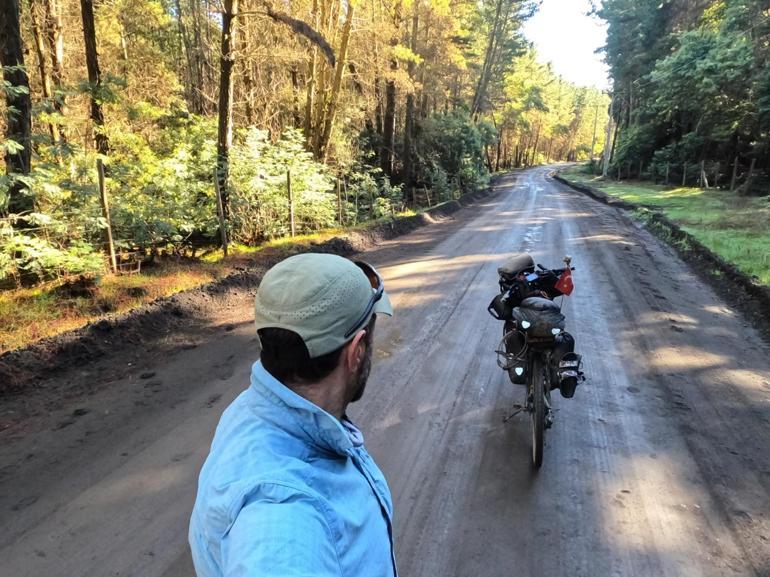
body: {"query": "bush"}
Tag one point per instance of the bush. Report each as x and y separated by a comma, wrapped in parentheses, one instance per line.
(450, 148)
(371, 192)
(27, 260)
(259, 192)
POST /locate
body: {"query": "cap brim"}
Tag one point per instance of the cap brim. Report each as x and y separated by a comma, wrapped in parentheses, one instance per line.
(383, 306)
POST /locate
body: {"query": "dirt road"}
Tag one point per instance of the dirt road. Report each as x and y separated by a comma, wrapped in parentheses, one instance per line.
(660, 465)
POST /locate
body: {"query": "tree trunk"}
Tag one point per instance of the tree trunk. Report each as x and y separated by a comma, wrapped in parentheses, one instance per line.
(409, 121)
(18, 104)
(55, 39)
(388, 146)
(331, 108)
(378, 106)
(389, 125)
(320, 87)
(226, 82)
(534, 147)
(200, 62)
(311, 72)
(191, 88)
(40, 52)
(478, 95)
(94, 76)
(608, 140)
(295, 97)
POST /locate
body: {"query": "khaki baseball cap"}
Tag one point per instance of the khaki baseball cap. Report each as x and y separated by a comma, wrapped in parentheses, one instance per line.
(324, 298)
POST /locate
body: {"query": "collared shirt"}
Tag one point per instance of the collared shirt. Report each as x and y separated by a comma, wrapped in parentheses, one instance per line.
(289, 490)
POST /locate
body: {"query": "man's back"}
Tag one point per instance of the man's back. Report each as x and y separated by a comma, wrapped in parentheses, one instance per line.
(289, 490)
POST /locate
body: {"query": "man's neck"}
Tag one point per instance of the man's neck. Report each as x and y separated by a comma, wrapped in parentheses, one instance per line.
(328, 394)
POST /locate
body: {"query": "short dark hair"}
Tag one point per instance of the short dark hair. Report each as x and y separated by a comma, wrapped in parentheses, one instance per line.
(285, 356)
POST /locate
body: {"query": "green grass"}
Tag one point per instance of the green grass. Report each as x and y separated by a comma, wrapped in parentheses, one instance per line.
(734, 227)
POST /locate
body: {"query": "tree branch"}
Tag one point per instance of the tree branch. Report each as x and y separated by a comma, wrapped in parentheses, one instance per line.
(299, 27)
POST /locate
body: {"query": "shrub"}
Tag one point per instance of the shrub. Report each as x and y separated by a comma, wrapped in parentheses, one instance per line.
(27, 260)
(260, 199)
(372, 194)
(453, 144)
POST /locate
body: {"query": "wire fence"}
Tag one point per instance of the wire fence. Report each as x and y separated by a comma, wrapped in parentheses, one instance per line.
(740, 174)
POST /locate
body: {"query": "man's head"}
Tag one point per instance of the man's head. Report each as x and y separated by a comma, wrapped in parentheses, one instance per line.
(315, 316)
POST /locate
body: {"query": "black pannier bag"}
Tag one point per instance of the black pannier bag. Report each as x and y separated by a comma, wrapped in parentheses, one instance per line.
(501, 307)
(542, 314)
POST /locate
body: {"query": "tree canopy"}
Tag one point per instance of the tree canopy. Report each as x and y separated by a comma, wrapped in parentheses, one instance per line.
(372, 106)
(690, 83)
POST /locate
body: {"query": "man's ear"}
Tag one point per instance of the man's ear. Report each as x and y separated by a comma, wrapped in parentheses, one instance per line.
(355, 351)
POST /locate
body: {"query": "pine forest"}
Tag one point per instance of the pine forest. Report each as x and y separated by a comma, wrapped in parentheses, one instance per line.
(173, 120)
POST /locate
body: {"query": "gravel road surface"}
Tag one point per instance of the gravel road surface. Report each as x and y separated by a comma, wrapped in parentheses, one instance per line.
(659, 466)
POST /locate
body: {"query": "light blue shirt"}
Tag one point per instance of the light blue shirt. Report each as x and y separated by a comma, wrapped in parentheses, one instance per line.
(288, 490)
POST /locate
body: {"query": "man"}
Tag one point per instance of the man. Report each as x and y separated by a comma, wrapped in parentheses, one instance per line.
(288, 488)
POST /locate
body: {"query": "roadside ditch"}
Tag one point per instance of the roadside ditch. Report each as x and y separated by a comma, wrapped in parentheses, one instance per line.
(736, 287)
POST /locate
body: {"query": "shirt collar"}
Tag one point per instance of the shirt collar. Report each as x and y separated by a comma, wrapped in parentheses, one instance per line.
(319, 427)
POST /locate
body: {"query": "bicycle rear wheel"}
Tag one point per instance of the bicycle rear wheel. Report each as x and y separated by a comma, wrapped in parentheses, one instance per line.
(537, 390)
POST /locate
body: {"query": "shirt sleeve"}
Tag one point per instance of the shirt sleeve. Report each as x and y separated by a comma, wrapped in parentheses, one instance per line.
(280, 532)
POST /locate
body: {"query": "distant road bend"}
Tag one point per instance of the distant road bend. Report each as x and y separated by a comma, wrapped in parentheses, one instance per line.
(660, 465)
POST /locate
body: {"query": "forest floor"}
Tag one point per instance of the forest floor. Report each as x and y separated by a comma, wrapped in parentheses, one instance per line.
(30, 314)
(736, 228)
(143, 314)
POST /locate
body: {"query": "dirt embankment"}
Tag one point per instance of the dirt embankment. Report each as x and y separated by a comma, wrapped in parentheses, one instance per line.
(161, 325)
(735, 286)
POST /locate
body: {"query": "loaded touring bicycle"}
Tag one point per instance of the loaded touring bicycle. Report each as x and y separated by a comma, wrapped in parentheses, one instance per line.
(535, 349)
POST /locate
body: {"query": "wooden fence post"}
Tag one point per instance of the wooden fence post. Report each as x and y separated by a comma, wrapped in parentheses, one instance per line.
(371, 204)
(339, 202)
(703, 183)
(667, 174)
(751, 168)
(684, 173)
(291, 203)
(735, 174)
(220, 211)
(106, 214)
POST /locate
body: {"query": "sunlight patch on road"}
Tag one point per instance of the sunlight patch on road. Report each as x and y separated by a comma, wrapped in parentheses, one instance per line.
(392, 419)
(605, 238)
(673, 507)
(139, 484)
(719, 310)
(685, 357)
(423, 272)
(658, 319)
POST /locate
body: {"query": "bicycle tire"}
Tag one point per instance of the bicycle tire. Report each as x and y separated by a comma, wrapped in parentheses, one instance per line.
(537, 389)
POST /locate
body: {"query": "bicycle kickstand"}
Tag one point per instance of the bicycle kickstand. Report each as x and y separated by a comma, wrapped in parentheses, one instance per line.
(517, 409)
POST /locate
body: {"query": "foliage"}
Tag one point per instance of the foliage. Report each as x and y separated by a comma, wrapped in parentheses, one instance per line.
(163, 194)
(690, 82)
(480, 102)
(371, 195)
(260, 202)
(451, 150)
(27, 259)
